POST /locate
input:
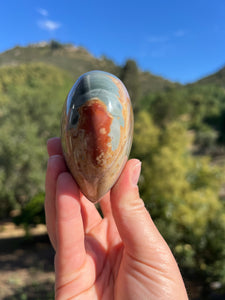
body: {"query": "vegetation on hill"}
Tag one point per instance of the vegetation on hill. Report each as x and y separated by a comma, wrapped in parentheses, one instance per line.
(31, 98)
(175, 128)
(201, 106)
(76, 60)
(181, 192)
(216, 78)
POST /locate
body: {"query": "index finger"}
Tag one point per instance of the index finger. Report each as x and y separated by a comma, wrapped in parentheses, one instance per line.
(54, 146)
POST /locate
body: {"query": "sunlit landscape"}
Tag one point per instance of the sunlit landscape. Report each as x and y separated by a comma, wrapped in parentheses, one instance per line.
(179, 134)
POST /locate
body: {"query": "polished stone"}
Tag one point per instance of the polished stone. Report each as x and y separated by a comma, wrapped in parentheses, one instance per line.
(97, 132)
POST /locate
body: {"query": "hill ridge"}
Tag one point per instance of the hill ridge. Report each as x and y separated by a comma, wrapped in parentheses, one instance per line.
(77, 60)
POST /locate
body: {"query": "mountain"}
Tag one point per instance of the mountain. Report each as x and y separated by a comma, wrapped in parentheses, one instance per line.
(77, 60)
(217, 78)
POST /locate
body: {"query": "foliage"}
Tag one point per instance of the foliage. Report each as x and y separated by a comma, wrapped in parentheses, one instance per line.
(130, 77)
(168, 106)
(76, 60)
(181, 192)
(201, 107)
(32, 97)
(54, 45)
(206, 101)
(217, 79)
(32, 213)
(180, 189)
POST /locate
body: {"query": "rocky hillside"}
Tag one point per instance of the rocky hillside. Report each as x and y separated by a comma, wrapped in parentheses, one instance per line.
(77, 61)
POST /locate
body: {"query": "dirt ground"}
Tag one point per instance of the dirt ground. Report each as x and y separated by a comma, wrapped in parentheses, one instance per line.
(26, 265)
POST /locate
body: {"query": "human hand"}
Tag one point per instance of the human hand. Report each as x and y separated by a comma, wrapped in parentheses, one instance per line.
(120, 256)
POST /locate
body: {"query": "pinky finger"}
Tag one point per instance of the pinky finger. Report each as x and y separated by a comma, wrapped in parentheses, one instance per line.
(70, 251)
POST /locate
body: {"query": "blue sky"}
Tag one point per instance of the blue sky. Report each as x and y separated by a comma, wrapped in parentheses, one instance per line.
(179, 40)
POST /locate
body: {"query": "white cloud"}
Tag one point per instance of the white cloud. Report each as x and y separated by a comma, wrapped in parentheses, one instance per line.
(179, 33)
(42, 12)
(163, 39)
(158, 39)
(49, 25)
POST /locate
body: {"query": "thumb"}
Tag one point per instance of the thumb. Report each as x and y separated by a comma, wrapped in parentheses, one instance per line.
(142, 240)
(137, 230)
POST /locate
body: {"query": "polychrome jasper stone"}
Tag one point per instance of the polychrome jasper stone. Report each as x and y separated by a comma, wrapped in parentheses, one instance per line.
(97, 132)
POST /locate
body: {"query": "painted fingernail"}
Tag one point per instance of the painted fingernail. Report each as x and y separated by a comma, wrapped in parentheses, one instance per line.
(136, 173)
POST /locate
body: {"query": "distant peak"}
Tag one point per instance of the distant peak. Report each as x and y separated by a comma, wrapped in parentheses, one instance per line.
(39, 44)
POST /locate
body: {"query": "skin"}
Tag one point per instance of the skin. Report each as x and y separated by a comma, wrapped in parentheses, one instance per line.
(118, 256)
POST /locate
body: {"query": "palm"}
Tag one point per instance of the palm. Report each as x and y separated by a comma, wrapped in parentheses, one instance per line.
(106, 270)
(97, 276)
(119, 256)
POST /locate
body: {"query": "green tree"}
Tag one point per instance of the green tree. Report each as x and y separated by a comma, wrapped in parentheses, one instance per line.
(182, 195)
(55, 45)
(32, 213)
(168, 106)
(130, 78)
(31, 104)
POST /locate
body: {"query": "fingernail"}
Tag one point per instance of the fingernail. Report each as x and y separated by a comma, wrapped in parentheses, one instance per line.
(54, 159)
(136, 173)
